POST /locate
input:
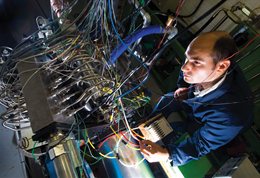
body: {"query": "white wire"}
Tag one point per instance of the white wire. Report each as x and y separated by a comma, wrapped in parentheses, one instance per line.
(11, 128)
(120, 160)
(130, 165)
(29, 155)
(126, 121)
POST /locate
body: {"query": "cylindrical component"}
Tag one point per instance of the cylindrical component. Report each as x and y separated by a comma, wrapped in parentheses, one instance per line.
(65, 157)
(75, 155)
(170, 21)
(63, 167)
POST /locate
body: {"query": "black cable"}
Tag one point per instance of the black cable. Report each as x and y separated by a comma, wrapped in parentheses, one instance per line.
(194, 11)
(201, 17)
(233, 20)
(158, 52)
(208, 22)
(181, 16)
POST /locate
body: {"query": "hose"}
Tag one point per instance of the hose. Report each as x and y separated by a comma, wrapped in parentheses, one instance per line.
(132, 38)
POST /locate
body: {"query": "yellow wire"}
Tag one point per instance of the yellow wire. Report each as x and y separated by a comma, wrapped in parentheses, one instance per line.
(138, 134)
(101, 154)
(106, 156)
(111, 117)
(128, 145)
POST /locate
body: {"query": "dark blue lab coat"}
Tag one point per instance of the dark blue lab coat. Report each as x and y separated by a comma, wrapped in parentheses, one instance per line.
(224, 113)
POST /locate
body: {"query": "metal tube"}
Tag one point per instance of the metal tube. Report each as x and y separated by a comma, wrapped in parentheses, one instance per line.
(66, 157)
(146, 16)
(76, 158)
(63, 167)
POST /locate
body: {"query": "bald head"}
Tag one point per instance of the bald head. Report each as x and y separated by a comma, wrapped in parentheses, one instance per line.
(208, 40)
(218, 44)
(207, 58)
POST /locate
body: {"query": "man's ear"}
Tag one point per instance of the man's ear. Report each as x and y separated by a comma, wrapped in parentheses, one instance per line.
(223, 65)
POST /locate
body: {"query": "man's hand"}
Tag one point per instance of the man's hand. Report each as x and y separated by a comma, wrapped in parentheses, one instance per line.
(153, 152)
(181, 94)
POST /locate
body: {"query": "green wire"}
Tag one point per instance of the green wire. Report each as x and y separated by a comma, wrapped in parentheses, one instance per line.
(81, 168)
(142, 2)
(91, 164)
(34, 157)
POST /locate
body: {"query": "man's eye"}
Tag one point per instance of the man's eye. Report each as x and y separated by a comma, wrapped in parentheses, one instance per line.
(196, 62)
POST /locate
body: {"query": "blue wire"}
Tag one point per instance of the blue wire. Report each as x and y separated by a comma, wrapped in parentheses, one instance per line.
(129, 91)
(121, 40)
(118, 35)
(158, 103)
(112, 23)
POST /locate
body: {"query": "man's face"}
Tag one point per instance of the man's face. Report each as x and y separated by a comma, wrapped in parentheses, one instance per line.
(199, 66)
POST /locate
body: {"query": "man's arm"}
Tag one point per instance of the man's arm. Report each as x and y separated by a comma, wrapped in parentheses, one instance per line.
(209, 137)
(217, 132)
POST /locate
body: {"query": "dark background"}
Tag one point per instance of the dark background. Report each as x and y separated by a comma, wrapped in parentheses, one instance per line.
(17, 19)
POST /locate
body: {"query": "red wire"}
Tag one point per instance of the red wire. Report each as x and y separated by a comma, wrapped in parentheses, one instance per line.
(243, 47)
(102, 143)
(127, 139)
(159, 45)
(180, 4)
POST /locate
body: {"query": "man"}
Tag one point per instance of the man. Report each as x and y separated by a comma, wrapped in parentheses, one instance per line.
(213, 91)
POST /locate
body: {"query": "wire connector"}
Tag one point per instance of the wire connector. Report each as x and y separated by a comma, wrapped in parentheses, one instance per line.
(170, 21)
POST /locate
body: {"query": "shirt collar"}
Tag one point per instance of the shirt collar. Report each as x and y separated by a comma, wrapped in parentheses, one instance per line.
(201, 93)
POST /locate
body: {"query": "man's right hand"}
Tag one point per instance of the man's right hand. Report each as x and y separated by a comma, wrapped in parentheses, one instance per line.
(181, 94)
(153, 152)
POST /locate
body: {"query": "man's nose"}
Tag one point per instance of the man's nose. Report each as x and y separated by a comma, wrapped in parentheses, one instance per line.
(186, 67)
